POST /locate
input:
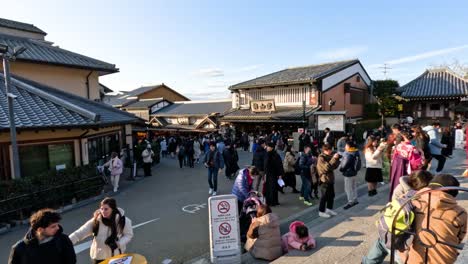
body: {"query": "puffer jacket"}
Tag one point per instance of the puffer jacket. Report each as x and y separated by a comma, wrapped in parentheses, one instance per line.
(242, 185)
(448, 220)
(325, 166)
(402, 188)
(268, 243)
(99, 250)
(291, 240)
(59, 250)
(434, 140)
(351, 163)
(115, 165)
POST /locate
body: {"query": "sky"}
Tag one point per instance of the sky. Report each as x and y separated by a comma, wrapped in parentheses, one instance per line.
(200, 48)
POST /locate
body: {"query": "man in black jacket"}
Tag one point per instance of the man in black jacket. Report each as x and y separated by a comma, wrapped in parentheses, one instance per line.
(273, 172)
(44, 242)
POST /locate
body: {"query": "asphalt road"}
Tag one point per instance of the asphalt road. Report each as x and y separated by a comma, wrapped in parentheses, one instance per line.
(174, 200)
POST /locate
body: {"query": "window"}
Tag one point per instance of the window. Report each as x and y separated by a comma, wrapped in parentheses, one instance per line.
(101, 147)
(358, 78)
(37, 159)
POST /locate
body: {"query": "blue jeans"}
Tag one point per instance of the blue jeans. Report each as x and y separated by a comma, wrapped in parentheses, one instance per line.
(213, 178)
(378, 252)
(306, 188)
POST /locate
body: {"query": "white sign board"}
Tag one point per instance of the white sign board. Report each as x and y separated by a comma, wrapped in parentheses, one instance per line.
(459, 142)
(224, 229)
(334, 122)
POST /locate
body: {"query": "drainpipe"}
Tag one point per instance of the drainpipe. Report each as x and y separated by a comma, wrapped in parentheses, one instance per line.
(81, 147)
(87, 84)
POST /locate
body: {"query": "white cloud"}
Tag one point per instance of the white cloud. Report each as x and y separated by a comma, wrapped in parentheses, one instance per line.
(426, 55)
(209, 72)
(342, 53)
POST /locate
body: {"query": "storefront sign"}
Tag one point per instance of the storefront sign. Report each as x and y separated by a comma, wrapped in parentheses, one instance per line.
(224, 229)
(334, 122)
(263, 106)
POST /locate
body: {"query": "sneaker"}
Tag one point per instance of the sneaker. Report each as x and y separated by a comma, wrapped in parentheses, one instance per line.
(214, 193)
(308, 203)
(324, 215)
(210, 191)
(115, 190)
(301, 198)
(331, 212)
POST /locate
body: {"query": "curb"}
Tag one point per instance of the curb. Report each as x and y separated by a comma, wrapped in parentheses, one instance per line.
(20, 223)
(305, 216)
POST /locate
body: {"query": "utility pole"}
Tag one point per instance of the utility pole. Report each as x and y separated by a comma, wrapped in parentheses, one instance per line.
(385, 70)
(10, 96)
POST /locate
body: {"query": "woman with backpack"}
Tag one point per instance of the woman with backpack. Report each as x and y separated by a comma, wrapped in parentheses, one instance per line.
(405, 159)
(421, 141)
(110, 228)
(289, 170)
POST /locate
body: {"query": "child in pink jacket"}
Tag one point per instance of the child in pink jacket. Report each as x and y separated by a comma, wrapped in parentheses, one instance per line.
(297, 238)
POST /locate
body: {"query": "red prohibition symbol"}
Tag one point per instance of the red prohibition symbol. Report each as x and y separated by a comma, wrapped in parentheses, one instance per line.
(223, 207)
(224, 229)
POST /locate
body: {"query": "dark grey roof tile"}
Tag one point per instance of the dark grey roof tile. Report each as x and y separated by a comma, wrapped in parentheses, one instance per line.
(20, 26)
(438, 83)
(195, 108)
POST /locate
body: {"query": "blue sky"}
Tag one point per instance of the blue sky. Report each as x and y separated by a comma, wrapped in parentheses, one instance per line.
(201, 47)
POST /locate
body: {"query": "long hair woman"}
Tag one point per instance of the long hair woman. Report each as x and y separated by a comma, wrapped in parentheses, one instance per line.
(111, 229)
(373, 153)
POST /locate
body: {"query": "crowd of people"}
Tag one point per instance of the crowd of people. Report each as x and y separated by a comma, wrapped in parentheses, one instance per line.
(411, 152)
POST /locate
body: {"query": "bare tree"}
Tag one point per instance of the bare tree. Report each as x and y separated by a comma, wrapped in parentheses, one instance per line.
(456, 66)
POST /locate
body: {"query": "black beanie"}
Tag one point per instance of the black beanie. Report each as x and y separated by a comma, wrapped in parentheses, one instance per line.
(445, 180)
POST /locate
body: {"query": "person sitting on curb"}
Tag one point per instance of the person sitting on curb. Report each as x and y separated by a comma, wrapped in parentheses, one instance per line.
(350, 166)
(264, 236)
(326, 164)
(447, 219)
(297, 238)
(415, 181)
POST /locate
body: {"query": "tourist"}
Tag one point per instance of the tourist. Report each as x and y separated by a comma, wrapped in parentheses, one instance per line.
(147, 156)
(421, 141)
(289, 170)
(297, 238)
(306, 161)
(116, 168)
(326, 164)
(414, 182)
(213, 162)
(435, 145)
(273, 172)
(258, 160)
(349, 166)
(373, 153)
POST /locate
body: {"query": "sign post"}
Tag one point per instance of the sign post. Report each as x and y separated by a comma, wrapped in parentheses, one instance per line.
(225, 246)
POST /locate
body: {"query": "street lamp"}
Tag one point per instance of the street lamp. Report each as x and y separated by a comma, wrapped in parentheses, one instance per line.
(10, 97)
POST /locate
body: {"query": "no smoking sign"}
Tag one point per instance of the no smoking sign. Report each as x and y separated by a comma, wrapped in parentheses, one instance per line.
(224, 229)
(223, 207)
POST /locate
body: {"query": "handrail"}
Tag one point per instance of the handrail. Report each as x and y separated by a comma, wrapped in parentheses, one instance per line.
(416, 196)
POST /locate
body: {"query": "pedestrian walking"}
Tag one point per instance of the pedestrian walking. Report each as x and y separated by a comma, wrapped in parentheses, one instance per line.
(181, 155)
(231, 158)
(163, 144)
(326, 164)
(373, 153)
(189, 152)
(449, 140)
(289, 170)
(110, 228)
(435, 145)
(197, 150)
(306, 161)
(258, 161)
(116, 168)
(273, 172)
(213, 162)
(147, 156)
(44, 242)
(349, 166)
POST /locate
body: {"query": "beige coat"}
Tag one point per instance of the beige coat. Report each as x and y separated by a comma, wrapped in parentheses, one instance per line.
(99, 250)
(268, 244)
(288, 162)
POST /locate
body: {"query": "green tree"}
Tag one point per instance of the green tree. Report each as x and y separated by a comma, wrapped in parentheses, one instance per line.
(386, 93)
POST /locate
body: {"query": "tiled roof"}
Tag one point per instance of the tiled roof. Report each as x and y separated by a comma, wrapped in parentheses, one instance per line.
(39, 106)
(40, 52)
(439, 83)
(144, 89)
(143, 103)
(282, 113)
(20, 26)
(119, 100)
(191, 108)
(295, 75)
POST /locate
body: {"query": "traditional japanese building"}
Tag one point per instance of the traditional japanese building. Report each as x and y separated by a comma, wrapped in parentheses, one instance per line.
(190, 116)
(437, 94)
(60, 121)
(290, 97)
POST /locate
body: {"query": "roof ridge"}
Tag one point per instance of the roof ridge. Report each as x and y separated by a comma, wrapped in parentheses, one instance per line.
(70, 106)
(79, 98)
(321, 64)
(36, 29)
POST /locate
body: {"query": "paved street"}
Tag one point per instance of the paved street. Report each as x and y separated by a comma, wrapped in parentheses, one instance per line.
(177, 199)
